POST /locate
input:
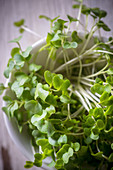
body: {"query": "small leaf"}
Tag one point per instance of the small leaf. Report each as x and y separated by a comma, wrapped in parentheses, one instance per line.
(33, 106)
(17, 89)
(19, 60)
(65, 99)
(16, 40)
(94, 137)
(15, 51)
(43, 143)
(68, 45)
(21, 77)
(50, 109)
(19, 23)
(34, 67)
(100, 124)
(110, 157)
(26, 53)
(110, 71)
(67, 155)
(98, 155)
(57, 82)
(52, 141)
(28, 164)
(45, 17)
(76, 146)
(40, 92)
(48, 77)
(13, 108)
(35, 118)
(2, 88)
(71, 19)
(62, 139)
(112, 146)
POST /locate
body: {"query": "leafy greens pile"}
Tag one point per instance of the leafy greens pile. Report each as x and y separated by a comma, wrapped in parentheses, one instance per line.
(67, 105)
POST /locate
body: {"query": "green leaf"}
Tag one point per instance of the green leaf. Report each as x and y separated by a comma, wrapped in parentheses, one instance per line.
(76, 6)
(109, 110)
(48, 77)
(110, 71)
(16, 40)
(19, 60)
(15, 51)
(33, 106)
(97, 88)
(44, 144)
(90, 121)
(17, 89)
(99, 13)
(21, 30)
(38, 156)
(33, 67)
(101, 24)
(98, 113)
(13, 108)
(35, 118)
(51, 110)
(71, 19)
(7, 72)
(76, 146)
(2, 88)
(51, 99)
(94, 137)
(112, 146)
(21, 77)
(98, 155)
(59, 164)
(45, 127)
(52, 141)
(67, 155)
(88, 140)
(68, 45)
(19, 23)
(64, 149)
(109, 80)
(75, 37)
(26, 53)
(45, 17)
(66, 83)
(110, 157)
(104, 97)
(28, 164)
(40, 92)
(57, 82)
(100, 124)
(62, 139)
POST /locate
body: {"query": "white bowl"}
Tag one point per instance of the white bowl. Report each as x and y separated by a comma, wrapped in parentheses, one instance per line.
(22, 140)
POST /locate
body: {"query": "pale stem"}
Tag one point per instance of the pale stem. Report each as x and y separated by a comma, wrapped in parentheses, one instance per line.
(30, 31)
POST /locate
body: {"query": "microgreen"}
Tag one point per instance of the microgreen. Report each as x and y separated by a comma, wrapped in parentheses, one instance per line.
(67, 104)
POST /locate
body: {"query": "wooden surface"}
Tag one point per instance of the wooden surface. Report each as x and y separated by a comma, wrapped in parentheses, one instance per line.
(13, 10)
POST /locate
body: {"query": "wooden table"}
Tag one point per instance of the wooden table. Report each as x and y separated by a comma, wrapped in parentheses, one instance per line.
(14, 10)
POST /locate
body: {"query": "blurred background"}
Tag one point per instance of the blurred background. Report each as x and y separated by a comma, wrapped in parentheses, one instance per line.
(14, 10)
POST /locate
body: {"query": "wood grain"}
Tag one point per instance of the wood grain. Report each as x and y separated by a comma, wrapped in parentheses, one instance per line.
(13, 10)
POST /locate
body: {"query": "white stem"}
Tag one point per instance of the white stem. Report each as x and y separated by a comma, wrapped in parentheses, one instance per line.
(82, 100)
(30, 31)
(88, 84)
(102, 51)
(97, 99)
(79, 14)
(77, 112)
